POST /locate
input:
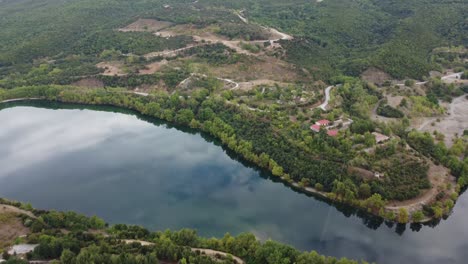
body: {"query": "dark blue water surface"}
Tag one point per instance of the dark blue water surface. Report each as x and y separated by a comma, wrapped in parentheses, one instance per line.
(126, 169)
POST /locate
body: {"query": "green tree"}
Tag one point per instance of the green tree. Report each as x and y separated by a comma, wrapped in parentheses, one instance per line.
(417, 216)
(67, 257)
(403, 216)
(364, 191)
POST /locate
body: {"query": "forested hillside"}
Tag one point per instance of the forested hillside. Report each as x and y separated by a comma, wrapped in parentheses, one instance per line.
(332, 36)
(254, 74)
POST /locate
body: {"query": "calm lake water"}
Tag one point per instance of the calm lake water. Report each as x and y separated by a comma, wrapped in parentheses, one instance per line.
(128, 169)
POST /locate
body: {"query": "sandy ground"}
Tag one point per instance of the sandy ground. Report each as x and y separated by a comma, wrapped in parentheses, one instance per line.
(454, 123)
(146, 25)
(113, 68)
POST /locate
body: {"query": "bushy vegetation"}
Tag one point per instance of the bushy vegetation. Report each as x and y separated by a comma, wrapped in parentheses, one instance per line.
(69, 238)
(332, 37)
(388, 111)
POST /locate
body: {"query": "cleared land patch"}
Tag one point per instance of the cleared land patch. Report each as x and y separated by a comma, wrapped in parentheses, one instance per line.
(113, 68)
(146, 25)
(451, 125)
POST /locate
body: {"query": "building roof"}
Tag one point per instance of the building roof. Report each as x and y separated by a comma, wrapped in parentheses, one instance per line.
(22, 249)
(332, 133)
(380, 137)
(315, 128)
(323, 122)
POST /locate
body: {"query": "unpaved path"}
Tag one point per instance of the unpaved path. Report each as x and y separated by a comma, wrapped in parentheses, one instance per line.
(20, 99)
(141, 242)
(213, 253)
(236, 84)
(170, 53)
(448, 78)
(208, 252)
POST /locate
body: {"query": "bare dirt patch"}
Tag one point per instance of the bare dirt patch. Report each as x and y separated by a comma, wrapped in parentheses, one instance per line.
(264, 68)
(208, 35)
(374, 75)
(252, 84)
(112, 68)
(394, 101)
(146, 25)
(89, 83)
(152, 67)
(450, 125)
(11, 227)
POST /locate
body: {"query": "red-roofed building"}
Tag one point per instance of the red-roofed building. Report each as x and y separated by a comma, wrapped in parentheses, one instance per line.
(332, 133)
(315, 128)
(323, 122)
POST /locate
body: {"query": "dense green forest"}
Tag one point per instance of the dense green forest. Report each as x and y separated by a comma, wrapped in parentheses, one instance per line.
(332, 37)
(71, 238)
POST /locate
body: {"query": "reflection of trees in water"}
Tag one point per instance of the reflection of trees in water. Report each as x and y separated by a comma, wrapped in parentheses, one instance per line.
(369, 220)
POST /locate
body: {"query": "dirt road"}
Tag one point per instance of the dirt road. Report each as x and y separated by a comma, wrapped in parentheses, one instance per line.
(19, 99)
(208, 252)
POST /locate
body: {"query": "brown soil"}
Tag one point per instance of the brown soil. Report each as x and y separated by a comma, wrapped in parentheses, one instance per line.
(11, 226)
(148, 25)
(89, 83)
(374, 75)
(113, 68)
(252, 84)
(394, 101)
(152, 67)
(264, 68)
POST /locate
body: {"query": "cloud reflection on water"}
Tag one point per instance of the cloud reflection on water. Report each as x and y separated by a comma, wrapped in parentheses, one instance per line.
(127, 170)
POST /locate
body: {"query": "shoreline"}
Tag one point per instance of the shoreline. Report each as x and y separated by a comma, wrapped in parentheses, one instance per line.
(21, 99)
(297, 187)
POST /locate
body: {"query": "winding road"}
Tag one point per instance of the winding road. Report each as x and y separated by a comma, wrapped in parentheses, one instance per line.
(324, 105)
(447, 78)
